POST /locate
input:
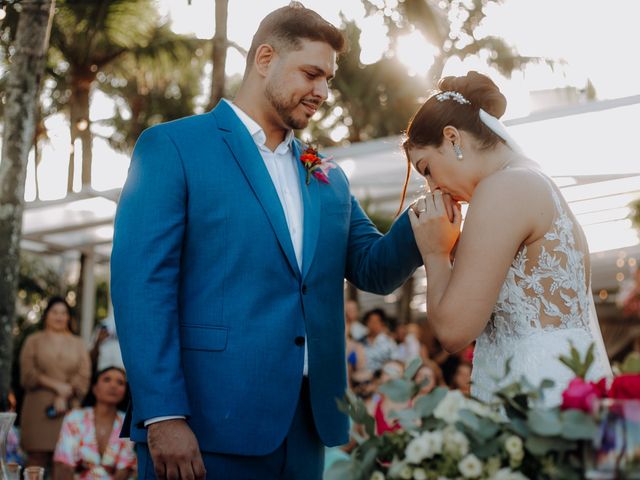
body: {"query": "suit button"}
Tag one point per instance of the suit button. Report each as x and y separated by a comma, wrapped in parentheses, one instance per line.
(299, 341)
(304, 289)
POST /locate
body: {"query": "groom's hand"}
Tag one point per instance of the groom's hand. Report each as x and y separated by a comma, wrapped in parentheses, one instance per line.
(174, 450)
(449, 205)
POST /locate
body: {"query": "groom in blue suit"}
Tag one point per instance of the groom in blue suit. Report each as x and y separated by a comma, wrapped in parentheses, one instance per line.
(228, 268)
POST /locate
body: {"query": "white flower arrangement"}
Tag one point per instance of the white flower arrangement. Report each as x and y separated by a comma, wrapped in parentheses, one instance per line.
(447, 436)
(448, 409)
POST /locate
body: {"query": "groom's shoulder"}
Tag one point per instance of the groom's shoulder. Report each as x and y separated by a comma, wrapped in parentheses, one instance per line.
(185, 129)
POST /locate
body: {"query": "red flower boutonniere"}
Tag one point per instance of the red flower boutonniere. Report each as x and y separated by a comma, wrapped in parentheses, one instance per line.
(315, 165)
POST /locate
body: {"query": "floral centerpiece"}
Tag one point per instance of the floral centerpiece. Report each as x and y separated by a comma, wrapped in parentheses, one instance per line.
(445, 435)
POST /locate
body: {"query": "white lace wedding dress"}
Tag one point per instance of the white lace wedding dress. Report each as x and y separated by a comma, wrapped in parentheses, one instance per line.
(544, 303)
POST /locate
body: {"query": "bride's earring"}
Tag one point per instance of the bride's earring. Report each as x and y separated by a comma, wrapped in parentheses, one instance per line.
(458, 151)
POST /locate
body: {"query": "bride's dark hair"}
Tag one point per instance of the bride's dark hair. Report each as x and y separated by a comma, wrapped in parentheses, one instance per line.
(426, 126)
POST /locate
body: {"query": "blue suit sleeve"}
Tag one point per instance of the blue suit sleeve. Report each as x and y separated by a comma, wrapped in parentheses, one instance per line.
(145, 276)
(380, 263)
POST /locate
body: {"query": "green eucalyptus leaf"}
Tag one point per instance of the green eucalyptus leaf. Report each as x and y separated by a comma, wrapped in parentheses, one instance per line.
(544, 422)
(485, 450)
(409, 418)
(425, 406)
(469, 419)
(487, 429)
(412, 368)
(578, 425)
(540, 446)
(369, 459)
(398, 390)
(519, 426)
(340, 470)
(432, 423)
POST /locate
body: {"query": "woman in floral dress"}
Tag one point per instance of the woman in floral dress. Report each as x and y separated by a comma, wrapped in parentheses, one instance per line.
(90, 445)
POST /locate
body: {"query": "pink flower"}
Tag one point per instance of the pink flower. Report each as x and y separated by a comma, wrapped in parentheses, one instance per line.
(321, 176)
(581, 395)
(317, 166)
(625, 387)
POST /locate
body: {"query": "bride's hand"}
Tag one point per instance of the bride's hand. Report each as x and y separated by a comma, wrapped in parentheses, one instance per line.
(435, 233)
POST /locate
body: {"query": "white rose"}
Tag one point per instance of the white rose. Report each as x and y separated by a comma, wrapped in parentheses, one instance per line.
(449, 407)
(492, 465)
(419, 474)
(377, 475)
(508, 474)
(455, 442)
(513, 445)
(434, 440)
(417, 450)
(516, 459)
(406, 473)
(470, 466)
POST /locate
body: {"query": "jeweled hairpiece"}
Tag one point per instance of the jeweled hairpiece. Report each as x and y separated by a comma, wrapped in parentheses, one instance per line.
(455, 96)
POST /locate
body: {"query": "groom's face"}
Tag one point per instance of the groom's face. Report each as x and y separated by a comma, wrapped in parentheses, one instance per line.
(298, 82)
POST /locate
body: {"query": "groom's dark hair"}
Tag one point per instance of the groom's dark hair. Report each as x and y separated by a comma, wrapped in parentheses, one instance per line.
(285, 27)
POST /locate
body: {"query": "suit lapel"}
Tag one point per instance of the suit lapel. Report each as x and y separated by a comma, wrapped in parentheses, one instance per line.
(311, 200)
(250, 161)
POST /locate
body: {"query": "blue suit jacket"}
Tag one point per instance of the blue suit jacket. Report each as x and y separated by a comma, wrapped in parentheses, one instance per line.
(208, 295)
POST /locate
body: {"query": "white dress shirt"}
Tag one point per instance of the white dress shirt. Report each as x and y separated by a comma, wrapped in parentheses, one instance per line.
(283, 170)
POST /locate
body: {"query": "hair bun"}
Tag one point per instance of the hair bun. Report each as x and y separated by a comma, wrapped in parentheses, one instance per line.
(479, 90)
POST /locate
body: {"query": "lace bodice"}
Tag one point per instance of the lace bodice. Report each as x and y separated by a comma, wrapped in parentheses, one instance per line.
(544, 303)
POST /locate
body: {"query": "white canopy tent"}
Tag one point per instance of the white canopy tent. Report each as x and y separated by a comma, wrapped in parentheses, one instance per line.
(583, 147)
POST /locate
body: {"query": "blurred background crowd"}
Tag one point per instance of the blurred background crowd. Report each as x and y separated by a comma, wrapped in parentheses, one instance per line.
(71, 398)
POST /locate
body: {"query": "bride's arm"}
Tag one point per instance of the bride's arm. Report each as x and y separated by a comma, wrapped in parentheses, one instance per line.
(508, 209)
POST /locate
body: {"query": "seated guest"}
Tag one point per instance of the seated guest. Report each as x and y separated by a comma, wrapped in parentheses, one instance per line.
(457, 373)
(429, 376)
(90, 446)
(380, 406)
(409, 348)
(378, 345)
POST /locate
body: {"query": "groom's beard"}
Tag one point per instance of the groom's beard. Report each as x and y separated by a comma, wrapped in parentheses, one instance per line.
(285, 108)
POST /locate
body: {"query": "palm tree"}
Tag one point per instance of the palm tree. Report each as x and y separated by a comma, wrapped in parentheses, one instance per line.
(154, 84)
(219, 53)
(23, 83)
(88, 36)
(451, 27)
(374, 100)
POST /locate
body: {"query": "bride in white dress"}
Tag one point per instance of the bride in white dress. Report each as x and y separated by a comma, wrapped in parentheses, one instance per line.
(520, 282)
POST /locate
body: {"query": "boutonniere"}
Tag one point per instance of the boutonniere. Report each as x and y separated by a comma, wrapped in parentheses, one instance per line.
(315, 165)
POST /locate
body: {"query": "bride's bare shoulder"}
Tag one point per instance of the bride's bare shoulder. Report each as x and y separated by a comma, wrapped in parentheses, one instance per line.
(516, 183)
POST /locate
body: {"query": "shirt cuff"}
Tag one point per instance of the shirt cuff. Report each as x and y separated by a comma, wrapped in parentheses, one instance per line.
(162, 419)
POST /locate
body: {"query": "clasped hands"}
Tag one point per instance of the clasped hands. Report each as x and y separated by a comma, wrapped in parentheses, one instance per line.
(435, 220)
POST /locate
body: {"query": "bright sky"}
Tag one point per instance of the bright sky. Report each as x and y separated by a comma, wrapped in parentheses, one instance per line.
(596, 39)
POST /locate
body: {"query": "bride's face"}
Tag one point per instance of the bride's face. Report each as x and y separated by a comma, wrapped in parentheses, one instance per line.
(442, 170)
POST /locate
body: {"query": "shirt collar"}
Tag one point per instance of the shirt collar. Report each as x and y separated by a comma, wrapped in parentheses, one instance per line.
(257, 132)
